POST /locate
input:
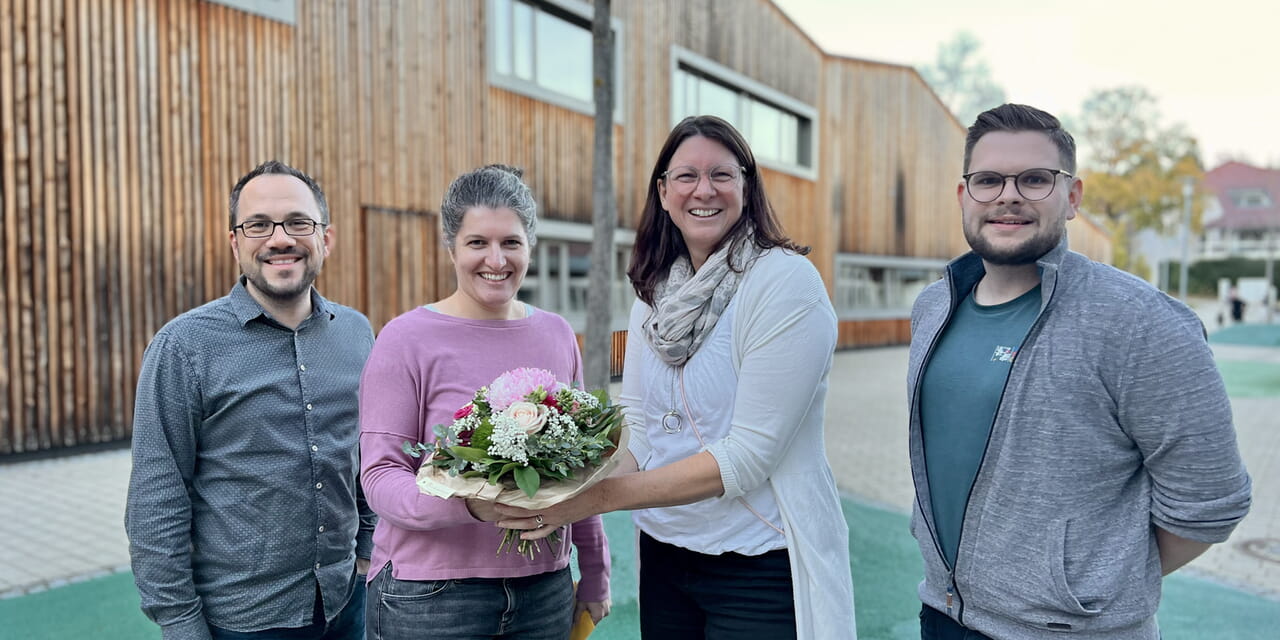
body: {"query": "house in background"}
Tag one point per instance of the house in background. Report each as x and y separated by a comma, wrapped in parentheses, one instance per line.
(1242, 219)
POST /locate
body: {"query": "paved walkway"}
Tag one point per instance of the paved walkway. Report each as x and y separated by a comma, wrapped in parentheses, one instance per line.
(63, 518)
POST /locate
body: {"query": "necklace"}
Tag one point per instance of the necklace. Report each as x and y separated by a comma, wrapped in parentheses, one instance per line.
(672, 421)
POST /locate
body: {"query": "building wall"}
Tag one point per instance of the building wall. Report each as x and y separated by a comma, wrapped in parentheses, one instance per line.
(125, 123)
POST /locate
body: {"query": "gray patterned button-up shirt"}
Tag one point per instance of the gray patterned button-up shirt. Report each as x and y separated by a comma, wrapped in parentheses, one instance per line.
(244, 495)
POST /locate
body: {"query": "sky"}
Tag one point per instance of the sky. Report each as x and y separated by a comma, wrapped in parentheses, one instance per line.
(1213, 66)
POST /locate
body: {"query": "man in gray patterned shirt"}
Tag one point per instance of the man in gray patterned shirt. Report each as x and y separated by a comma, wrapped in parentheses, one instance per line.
(245, 517)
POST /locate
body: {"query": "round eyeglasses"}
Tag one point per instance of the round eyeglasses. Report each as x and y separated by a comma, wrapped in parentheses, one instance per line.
(1032, 184)
(684, 179)
(298, 227)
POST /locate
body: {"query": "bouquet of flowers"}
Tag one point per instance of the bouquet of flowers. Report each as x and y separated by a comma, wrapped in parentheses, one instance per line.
(526, 440)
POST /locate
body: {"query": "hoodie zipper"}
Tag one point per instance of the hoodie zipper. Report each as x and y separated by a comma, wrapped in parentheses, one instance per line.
(953, 592)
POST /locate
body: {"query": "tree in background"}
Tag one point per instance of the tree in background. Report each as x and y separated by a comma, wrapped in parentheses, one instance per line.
(1134, 168)
(963, 80)
(597, 346)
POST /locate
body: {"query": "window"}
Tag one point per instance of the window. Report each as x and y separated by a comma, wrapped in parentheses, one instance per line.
(558, 278)
(285, 11)
(1250, 198)
(543, 49)
(881, 286)
(778, 127)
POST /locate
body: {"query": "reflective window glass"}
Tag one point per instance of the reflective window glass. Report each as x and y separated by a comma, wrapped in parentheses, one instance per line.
(522, 40)
(717, 100)
(502, 44)
(563, 56)
(775, 134)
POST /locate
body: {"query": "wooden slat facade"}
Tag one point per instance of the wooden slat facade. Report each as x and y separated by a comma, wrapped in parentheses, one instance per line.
(124, 123)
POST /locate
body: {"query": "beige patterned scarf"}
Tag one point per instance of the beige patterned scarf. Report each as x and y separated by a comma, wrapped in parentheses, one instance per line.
(688, 303)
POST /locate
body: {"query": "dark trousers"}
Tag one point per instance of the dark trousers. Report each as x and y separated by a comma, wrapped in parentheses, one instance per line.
(936, 625)
(693, 596)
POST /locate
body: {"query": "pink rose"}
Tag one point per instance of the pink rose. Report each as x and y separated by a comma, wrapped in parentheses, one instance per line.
(463, 412)
(529, 416)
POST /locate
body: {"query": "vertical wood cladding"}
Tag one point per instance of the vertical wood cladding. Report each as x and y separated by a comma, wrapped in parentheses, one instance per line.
(124, 124)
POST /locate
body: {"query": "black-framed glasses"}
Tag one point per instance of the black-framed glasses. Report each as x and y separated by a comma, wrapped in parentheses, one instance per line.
(297, 227)
(1032, 184)
(721, 176)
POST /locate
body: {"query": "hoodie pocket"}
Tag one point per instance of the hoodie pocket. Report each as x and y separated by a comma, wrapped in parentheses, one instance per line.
(1062, 587)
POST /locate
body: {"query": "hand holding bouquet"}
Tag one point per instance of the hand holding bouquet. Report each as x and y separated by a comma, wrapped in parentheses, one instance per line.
(526, 440)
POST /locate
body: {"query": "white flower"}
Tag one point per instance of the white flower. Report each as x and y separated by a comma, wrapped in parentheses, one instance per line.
(509, 440)
(528, 416)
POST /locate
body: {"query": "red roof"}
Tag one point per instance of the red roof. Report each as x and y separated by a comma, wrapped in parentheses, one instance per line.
(1250, 197)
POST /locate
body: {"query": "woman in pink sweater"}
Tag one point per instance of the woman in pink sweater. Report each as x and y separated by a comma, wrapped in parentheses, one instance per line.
(434, 567)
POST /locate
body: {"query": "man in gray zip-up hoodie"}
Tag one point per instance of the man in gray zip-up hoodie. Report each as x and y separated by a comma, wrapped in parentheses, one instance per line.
(1071, 439)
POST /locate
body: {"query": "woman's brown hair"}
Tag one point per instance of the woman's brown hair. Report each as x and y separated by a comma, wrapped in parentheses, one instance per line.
(658, 240)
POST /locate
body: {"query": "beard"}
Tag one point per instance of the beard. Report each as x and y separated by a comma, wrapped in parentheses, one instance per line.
(286, 291)
(1027, 252)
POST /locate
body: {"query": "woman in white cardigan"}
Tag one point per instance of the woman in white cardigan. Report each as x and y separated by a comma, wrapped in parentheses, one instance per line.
(725, 380)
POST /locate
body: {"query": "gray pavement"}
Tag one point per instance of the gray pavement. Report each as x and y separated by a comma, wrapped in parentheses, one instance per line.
(64, 517)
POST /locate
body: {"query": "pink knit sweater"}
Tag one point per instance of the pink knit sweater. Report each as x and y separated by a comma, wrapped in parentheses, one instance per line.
(424, 366)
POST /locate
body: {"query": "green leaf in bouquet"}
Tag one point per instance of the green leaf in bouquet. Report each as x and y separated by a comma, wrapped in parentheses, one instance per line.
(471, 474)
(442, 432)
(495, 475)
(528, 479)
(602, 395)
(482, 437)
(416, 450)
(481, 401)
(470, 454)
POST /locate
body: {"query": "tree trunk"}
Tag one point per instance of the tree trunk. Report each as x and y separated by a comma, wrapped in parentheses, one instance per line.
(596, 352)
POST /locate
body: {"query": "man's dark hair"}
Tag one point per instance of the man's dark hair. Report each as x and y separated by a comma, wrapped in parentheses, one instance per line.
(276, 167)
(1020, 117)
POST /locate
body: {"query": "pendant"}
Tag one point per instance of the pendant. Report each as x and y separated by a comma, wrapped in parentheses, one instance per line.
(671, 422)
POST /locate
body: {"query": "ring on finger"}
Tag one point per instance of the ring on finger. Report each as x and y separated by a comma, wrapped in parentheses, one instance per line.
(538, 519)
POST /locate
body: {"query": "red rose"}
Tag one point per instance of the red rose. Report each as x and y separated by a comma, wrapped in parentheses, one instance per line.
(463, 412)
(550, 401)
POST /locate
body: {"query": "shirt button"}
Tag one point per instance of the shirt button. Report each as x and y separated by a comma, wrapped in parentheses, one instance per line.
(315, 448)
(302, 367)
(317, 566)
(321, 528)
(308, 406)
(319, 485)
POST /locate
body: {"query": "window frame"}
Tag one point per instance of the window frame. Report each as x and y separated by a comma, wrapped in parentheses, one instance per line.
(746, 87)
(560, 231)
(892, 263)
(531, 88)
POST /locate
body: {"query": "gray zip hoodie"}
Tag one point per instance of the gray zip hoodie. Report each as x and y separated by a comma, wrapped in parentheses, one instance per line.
(1114, 419)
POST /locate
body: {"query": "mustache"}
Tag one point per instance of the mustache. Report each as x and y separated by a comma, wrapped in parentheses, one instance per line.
(275, 253)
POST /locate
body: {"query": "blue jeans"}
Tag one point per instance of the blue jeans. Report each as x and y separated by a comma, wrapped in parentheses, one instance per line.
(685, 595)
(538, 607)
(347, 625)
(935, 625)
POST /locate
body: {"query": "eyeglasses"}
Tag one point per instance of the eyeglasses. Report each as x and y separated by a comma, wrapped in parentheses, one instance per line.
(1033, 184)
(684, 179)
(297, 227)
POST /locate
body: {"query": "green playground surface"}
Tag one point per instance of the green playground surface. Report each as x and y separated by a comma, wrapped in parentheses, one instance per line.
(885, 566)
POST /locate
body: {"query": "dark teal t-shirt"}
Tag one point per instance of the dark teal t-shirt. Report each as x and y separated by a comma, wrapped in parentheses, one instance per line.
(961, 389)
